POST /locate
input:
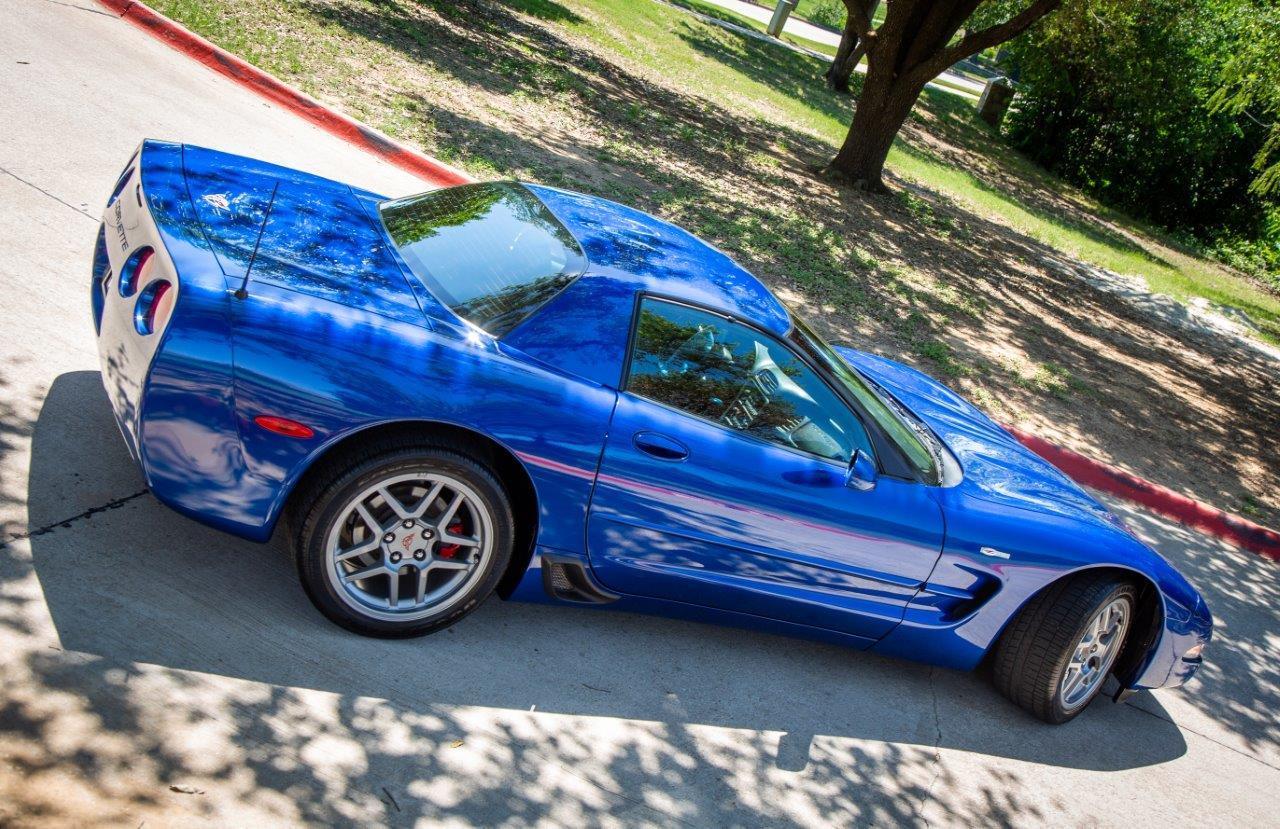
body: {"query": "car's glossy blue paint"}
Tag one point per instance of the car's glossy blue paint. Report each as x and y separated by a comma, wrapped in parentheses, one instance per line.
(336, 333)
(742, 524)
(1012, 502)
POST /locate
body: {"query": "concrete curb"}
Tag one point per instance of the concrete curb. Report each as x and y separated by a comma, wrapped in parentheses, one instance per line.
(1085, 470)
(1089, 472)
(280, 93)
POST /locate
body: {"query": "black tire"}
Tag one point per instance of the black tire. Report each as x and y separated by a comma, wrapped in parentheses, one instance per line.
(329, 492)
(1033, 655)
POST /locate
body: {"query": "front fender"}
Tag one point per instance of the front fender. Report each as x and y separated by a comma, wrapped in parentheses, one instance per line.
(997, 558)
(1168, 663)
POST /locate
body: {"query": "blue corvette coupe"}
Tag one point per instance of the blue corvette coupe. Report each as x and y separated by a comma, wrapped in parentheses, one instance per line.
(511, 388)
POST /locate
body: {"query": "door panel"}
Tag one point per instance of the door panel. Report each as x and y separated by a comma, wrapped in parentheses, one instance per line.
(742, 524)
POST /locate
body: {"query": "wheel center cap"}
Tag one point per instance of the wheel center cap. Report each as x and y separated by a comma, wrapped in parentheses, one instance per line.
(403, 542)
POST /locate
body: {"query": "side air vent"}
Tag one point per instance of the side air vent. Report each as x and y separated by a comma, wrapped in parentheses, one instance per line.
(959, 604)
(567, 579)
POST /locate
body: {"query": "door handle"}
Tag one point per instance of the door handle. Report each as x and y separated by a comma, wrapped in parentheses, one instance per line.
(660, 446)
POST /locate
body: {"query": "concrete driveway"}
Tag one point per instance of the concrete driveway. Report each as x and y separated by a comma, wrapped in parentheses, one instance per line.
(156, 672)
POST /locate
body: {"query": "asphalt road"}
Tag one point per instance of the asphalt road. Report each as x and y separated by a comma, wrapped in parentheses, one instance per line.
(141, 652)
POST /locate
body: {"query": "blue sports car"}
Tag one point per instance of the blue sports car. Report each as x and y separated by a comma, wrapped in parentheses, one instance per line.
(511, 388)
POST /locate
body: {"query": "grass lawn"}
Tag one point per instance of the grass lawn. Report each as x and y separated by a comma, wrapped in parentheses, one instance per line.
(877, 16)
(1180, 275)
(1165, 269)
(955, 272)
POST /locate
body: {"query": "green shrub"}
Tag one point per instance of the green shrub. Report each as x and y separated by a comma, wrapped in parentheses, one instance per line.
(1118, 98)
(829, 13)
(1258, 257)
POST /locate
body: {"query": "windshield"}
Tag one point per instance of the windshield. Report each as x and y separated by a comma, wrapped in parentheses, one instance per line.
(492, 252)
(921, 447)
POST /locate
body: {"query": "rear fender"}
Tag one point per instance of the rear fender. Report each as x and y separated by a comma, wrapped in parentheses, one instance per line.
(168, 387)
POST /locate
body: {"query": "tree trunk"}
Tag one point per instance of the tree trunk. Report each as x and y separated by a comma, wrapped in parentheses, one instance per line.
(848, 54)
(912, 46)
(883, 105)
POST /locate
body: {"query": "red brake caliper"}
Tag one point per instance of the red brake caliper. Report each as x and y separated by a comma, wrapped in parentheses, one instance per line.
(450, 550)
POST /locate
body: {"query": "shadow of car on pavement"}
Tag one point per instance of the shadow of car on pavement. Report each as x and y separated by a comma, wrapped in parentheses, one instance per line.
(141, 585)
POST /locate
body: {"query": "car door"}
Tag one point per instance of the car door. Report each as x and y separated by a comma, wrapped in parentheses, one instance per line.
(723, 483)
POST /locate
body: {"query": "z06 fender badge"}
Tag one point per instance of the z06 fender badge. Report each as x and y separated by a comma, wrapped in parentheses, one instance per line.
(993, 552)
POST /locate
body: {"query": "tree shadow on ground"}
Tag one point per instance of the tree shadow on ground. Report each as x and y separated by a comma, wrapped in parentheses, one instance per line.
(187, 657)
(795, 75)
(943, 130)
(15, 428)
(1038, 204)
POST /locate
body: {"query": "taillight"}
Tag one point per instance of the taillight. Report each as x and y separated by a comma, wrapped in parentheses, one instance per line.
(134, 271)
(101, 278)
(155, 306)
(120, 184)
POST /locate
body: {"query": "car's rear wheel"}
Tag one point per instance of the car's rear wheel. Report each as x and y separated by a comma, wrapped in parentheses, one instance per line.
(405, 543)
(1054, 657)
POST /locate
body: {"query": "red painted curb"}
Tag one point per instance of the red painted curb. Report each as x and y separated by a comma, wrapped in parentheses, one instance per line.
(1085, 470)
(253, 78)
(1092, 473)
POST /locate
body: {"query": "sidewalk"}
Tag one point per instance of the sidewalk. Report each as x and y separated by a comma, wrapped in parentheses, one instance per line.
(802, 28)
(795, 25)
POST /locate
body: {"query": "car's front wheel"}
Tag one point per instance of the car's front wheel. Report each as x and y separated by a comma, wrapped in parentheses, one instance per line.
(1054, 656)
(404, 543)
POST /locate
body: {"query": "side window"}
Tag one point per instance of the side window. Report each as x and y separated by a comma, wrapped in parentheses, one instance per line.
(731, 375)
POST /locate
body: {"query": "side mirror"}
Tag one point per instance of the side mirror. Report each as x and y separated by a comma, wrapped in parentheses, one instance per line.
(862, 472)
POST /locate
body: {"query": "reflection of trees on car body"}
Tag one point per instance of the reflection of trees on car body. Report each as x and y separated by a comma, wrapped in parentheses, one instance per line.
(526, 255)
(729, 374)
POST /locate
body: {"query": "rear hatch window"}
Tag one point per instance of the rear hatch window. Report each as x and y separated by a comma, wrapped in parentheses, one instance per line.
(492, 252)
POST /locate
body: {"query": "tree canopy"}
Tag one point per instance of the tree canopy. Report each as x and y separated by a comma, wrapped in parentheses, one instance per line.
(1250, 83)
(1168, 109)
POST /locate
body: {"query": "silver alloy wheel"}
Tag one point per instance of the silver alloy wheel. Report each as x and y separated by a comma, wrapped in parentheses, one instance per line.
(1094, 654)
(409, 546)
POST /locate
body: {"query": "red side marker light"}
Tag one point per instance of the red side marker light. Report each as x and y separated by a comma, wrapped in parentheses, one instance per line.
(284, 426)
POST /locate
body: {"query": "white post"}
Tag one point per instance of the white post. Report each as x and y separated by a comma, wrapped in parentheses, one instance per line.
(780, 14)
